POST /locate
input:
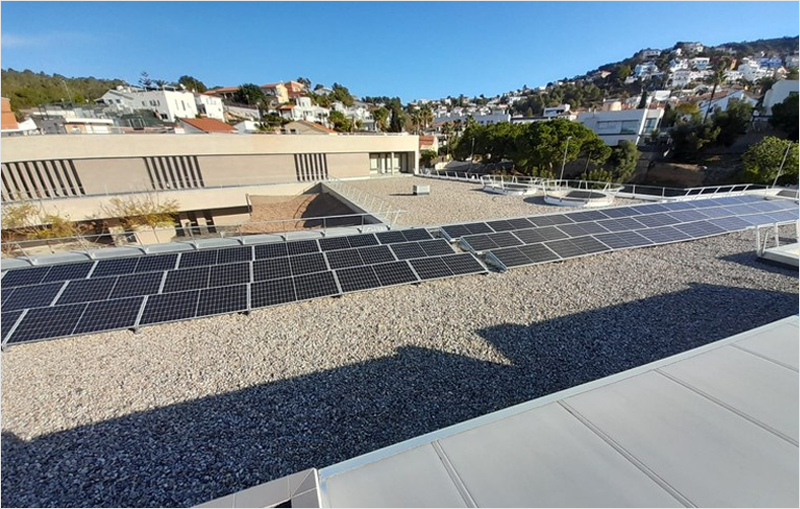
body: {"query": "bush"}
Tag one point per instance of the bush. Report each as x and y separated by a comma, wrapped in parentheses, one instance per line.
(133, 212)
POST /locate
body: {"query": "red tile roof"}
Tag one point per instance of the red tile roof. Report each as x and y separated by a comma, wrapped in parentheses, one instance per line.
(286, 107)
(208, 125)
(317, 126)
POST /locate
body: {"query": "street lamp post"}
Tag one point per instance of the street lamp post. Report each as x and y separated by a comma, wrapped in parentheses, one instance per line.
(564, 161)
(780, 169)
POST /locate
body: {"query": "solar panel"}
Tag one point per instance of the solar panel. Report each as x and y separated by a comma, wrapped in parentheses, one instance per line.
(621, 224)
(357, 278)
(271, 268)
(235, 254)
(716, 212)
(24, 277)
(229, 274)
(436, 247)
(70, 271)
(478, 243)
(109, 314)
(783, 216)
(391, 237)
(33, 296)
(367, 239)
(687, 216)
(344, 258)
(730, 223)
(311, 286)
(650, 208)
(197, 259)
(663, 234)
(115, 267)
(588, 215)
(553, 220)
(270, 293)
(416, 234)
(155, 263)
(457, 231)
(536, 235)
(87, 290)
(407, 250)
(501, 225)
(538, 253)
(46, 323)
(581, 229)
(621, 212)
(182, 280)
(511, 257)
(699, 229)
(654, 220)
(705, 203)
(307, 263)
(570, 248)
(394, 273)
(590, 245)
(463, 263)
(504, 239)
(302, 247)
(225, 299)
(520, 223)
(7, 321)
(677, 205)
(137, 284)
(274, 250)
(170, 307)
(476, 228)
(333, 243)
(376, 254)
(431, 268)
(622, 240)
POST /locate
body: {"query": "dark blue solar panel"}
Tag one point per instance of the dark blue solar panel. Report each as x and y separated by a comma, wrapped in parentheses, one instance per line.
(620, 212)
(70, 271)
(115, 267)
(588, 215)
(274, 250)
(170, 307)
(312, 286)
(536, 235)
(186, 279)
(155, 263)
(686, 216)
(358, 278)
(654, 220)
(362, 240)
(109, 314)
(699, 229)
(416, 234)
(344, 258)
(479, 243)
(520, 223)
(235, 254)
(581, 229)
(663, 234)
(307, 263)
(229, 274)
(650, 208)
(271, 268)
(463, 263)
(731, 223)
(505, 239)
(678, 205)
(334, 243)
(407, 250)
(33, 296)
(455, 231)
(623, 240)
(376, 254)
(394, 273)
(431, 268)
(716, 212)
(391, 237)
(7, 321)
(784, 216)
(621, 224)
(436, 247)
(270, 293)
(476, 228)
(46, 323)
(24, 277)
(225, 299)
(198, 258)
(87, 290)
(501, 225)
(302, 247)
(553, 220)
(511, 257)
(538, 253)
(137, 284)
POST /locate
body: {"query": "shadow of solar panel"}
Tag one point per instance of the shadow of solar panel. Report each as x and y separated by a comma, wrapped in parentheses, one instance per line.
(197, 258)
(553, 220)
(7, 321)
(520, 223)
(87, 290)
(654, 220)
(65, 272)
(581, 229)
(116, 267)
(731, 223)
(312, 286)
(394, 273)
(407, 250)
(476, 228)
(137, 284)
(699, 229)
(367, 239)
(33, 296)
(109, 314)
(333, 243)
(663, 234)
(622, 240)
(270, 293)
(478, 243)
(678, 205)
(456, 231)
(156, 263)
(436, 247)
(620, 212)
(391, 237)
(170, 307)
(650, 208)
(687, 216)
(230, 274)
(538, 253)
(302, 247)
(536, 235)
(235, 254)
(307, 263)
(504, 239)
(24, 277)
(186, 279)
(501, 225)
(511, 257)
(431, 268)
(463, 263)
(46, 323)
(620, 224)
(225, 299)
(587, 215)
(357, 278)
(272, 268)
(344, 258)
(416, 234)
(376, 254)
(274, 250)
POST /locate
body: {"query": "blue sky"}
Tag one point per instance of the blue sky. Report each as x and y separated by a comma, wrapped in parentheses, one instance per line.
(413, 50)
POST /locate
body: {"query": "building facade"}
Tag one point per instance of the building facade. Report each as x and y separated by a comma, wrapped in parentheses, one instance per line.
(616, 126)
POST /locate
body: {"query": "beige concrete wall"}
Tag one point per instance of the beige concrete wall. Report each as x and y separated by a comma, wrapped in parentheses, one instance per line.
(348, 165)
(100, 176)
(247, 169)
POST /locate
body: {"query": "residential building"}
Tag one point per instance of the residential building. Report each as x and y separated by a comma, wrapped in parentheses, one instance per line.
(247, 127)
(10, 126)
(304, 109)
(9, 121)
(678, 63)
(752, 71)
(75, 125)
(773, 62)
(306, 127)
(278, 91)
(205, 125)
(429, 143)
(483, 117)
(294, 89)
(778, 93)
(792, 61)
(209, 106)
(616, 126)
(234, 112)
(700, 63)
(649, 53)
(227, 93)
(690, 47)
(722, 98)
(358, 112)
(167, 104)
(645, 69)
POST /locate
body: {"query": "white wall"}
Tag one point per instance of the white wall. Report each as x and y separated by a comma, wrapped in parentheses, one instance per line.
(778, 93)
(616, 126)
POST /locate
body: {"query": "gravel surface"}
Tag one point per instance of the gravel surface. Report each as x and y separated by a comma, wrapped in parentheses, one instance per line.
(182, 413)
(452, 201)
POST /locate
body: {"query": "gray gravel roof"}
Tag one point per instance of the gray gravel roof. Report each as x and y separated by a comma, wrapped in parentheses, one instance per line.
(182, 413)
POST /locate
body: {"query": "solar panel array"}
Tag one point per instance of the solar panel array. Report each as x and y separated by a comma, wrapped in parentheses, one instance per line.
(541, 239)
(127, 293)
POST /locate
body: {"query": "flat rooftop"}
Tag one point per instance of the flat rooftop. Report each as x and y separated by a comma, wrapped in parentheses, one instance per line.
(179, 414)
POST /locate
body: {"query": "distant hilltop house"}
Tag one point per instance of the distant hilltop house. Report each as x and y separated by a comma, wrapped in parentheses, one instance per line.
(167, 104)
(10, 126)
(616, 126)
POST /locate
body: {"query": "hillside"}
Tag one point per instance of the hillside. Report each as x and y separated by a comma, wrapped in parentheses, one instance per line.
(27, 89)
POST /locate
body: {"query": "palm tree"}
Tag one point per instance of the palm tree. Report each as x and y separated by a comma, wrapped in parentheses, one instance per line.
(717, 78)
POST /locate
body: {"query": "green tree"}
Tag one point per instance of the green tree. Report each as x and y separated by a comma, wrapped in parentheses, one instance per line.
(340, 123)
(192, 83)
(342, 94)
(763, 160)
(381, 116)
(785, 116)
(250, 93)
(689, 138)
(540, 147)
(398, 117)
(624, 158)
(732, 122)
(426, 157)
(145, 80)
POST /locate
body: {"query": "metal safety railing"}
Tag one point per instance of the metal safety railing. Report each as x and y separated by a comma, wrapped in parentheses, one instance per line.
(371, 204)
(763, 240)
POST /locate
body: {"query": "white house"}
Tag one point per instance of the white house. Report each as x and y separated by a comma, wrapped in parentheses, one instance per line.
(678, 63)
(792, 61)
(556, 111)
(303, 109)
(680, 78)
(700, 63)
(751, 71)
(645, 69)
(770, 62)
(167, 104)
(358, 112)
(778, 93)
(723, 98)
(209, 106)
(483, 117)
(616, 126)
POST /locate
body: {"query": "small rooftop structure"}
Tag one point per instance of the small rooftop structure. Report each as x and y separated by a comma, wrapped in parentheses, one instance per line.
(205, 125)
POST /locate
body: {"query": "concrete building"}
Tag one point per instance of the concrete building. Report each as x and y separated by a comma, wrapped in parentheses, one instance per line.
(228, 93)
(278, 91)
(304, 109)
(209, 106)
(792, 61)
(700, 63)
(482, 118)
(616, 126)
(778, 93)
(209, 176)
(306, 127)
(165, 103)
(358, 112)
(722, 98)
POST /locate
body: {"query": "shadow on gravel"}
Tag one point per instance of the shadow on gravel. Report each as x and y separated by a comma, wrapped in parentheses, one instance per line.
(192, 452)
(750, 259)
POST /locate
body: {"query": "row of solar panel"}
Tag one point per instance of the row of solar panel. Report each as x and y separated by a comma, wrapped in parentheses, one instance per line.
(684, 211)
(71, 318)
